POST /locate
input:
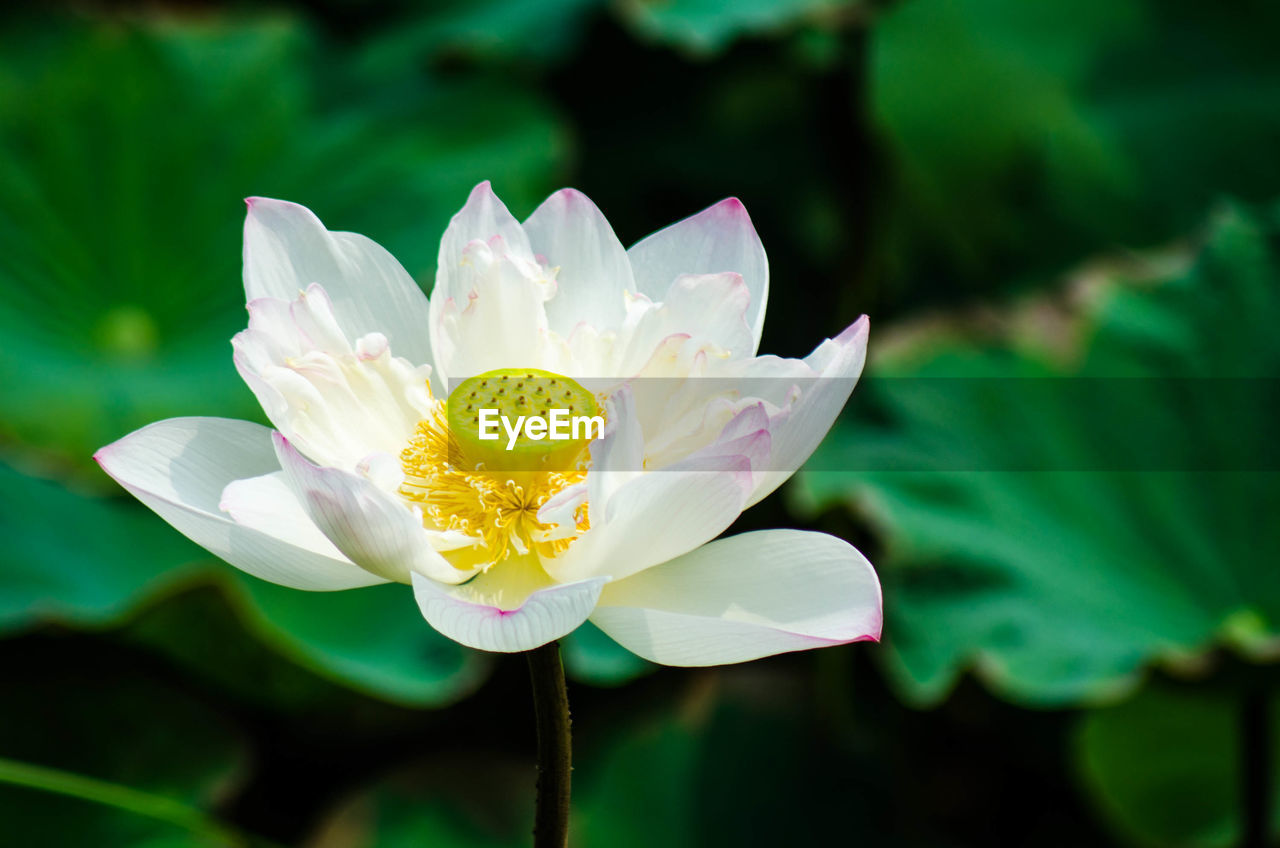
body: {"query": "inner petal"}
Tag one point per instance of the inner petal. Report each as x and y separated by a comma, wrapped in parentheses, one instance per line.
(337, 400)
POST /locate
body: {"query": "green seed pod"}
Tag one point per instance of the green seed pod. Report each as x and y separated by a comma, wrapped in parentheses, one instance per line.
(543, 405)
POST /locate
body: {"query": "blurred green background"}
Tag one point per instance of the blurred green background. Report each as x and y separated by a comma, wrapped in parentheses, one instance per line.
(1078, 650)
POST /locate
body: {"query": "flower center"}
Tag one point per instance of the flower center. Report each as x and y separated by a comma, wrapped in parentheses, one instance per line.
(493, 454)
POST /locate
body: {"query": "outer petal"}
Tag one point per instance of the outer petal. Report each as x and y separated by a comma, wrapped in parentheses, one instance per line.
(836, 363)
(545, 615)
(717, 239)
(286, 248)
(180, 469)
(658, 516)
(380, 533)
(640, 519)
(594, 272)
(267, 503)
(745, 597)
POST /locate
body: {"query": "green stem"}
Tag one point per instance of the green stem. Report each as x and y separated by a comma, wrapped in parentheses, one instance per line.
(121, 797)
(1257, 778)
(555, 752)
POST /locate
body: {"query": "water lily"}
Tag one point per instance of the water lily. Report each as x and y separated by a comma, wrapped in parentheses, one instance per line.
(375, 470)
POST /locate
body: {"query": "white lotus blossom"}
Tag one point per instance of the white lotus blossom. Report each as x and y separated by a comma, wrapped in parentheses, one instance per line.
(367, 476)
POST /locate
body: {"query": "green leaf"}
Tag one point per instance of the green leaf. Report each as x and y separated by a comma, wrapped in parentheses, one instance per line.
(122, 557)
(1057, 535)
(469, 802)
(493, 30)
(80, 560)
(592, 657)
(122, 799)
(621, 804)
(736, 759)
(125, 152)
(1023, 134)
(708, 26)
(374, 640)
(728, 759)
(67, 709)
(201, 631)
(1164, 767)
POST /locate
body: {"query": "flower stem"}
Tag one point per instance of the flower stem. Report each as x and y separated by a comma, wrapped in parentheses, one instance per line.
(1257, 778)
(135, 801)
(555, 755)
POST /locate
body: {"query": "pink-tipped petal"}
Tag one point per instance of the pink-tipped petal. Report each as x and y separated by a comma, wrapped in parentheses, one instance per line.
(571, 234)
(375, 530)
(184, 467)
(487, 306)
(836, 365)
(718, 239)
(545, 615)
(691, 501)
(287, 248)
(482, 218)
(745, 597)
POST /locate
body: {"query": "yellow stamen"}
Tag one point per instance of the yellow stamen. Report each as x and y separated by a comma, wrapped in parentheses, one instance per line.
(480, 488)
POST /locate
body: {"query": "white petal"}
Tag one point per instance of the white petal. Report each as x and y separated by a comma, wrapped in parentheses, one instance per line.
(286, 248)
(717, 239)
(336, 399)
(594, 272)
(749, 420)
(180, 469)
(658, 515)
(482, 218)
(707, 311)
(717, 306)
(267, 504)
(487, 309)
(837, 364)
(745, 597)
(500, 322)
(618, 456)
(376, 530)
(545, 615)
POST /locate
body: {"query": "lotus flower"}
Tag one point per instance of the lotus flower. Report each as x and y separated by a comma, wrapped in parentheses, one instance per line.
(373, 474)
